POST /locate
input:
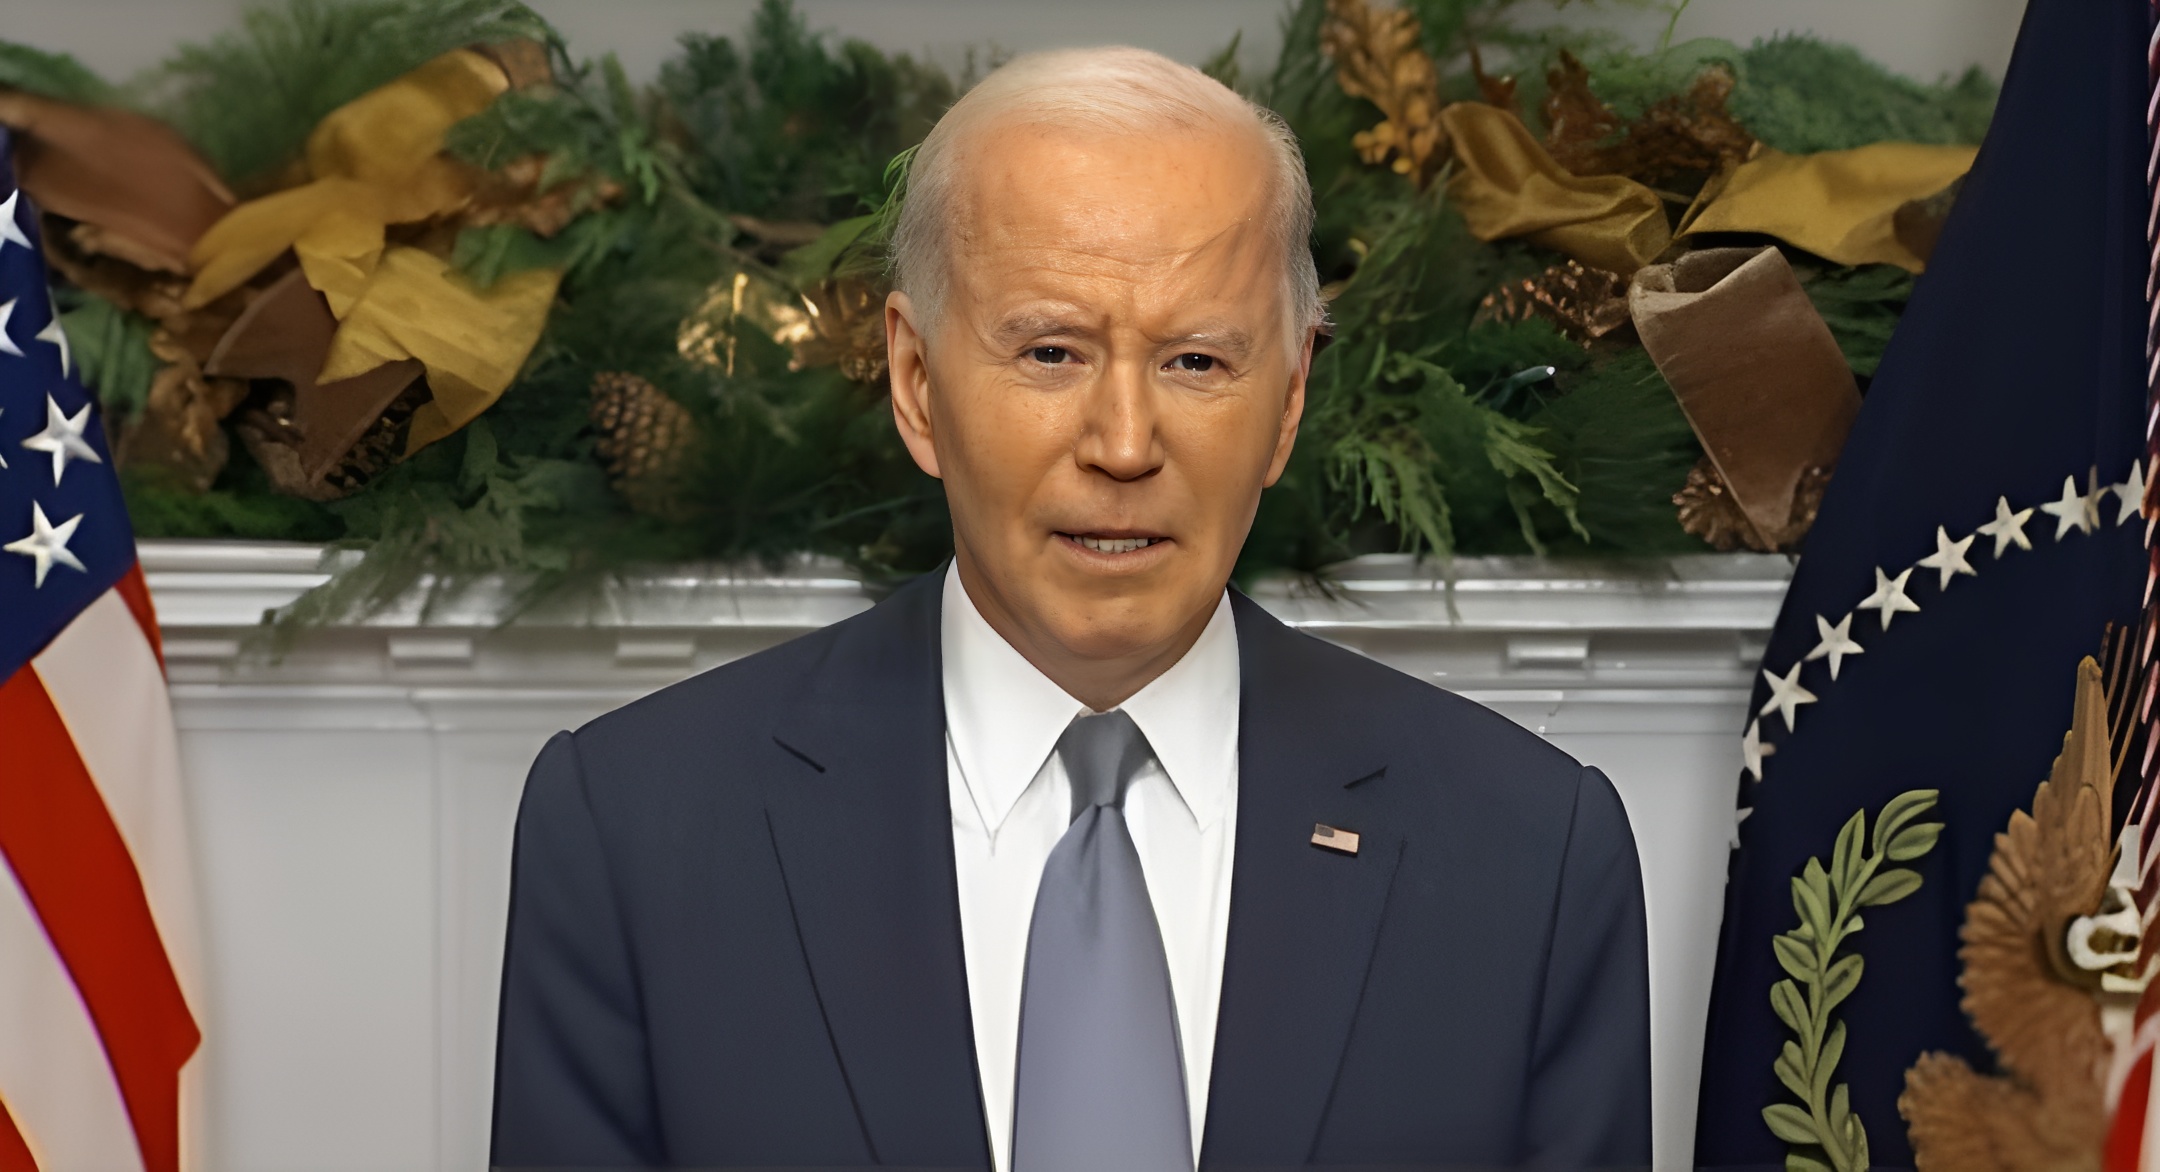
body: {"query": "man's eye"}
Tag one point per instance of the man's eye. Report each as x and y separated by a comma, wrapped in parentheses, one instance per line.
(1050, 355)
(1194, 363)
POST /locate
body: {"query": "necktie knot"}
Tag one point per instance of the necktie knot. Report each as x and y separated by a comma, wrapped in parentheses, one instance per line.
(1102, 753)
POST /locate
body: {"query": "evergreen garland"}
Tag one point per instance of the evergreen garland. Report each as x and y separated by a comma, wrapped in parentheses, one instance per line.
(248, 99)
(1423, 431)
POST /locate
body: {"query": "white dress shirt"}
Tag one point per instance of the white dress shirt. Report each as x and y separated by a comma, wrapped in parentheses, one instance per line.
(1011, 802)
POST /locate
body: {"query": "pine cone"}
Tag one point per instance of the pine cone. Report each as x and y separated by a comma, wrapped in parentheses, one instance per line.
(278, 444)
(383, 443)
(1585, 303)
(645, 439)
(1708, 510)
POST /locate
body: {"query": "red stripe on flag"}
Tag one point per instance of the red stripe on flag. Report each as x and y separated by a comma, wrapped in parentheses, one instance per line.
(14, 1153)
(136, 593)
(2126, 1133)
(76, 871)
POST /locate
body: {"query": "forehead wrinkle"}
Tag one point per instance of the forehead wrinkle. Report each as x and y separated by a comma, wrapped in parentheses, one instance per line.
(1176, 273)
(1004, 190)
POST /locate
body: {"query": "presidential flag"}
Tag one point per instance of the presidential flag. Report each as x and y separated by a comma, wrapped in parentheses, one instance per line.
(100, 990)
(1982, 530)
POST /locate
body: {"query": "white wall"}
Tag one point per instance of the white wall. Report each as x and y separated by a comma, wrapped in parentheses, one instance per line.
(1925, 38)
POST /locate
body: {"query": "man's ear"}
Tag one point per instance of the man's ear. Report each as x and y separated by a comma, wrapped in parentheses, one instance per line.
(1293, 411)
(909, 365)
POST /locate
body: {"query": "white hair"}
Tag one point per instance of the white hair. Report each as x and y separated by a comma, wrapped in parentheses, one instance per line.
(1119, 90)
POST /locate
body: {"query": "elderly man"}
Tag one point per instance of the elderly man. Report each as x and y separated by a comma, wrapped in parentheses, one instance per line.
(1070, 857)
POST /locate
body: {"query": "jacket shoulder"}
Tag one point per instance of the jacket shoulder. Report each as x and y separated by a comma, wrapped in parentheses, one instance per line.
(1385, 705)
(743, 697)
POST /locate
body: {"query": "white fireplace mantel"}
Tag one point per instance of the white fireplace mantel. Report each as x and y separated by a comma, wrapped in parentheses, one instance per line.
(352, 788)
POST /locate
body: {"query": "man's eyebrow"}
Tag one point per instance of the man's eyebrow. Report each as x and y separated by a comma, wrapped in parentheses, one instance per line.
(1021, 327)
(1235, 339)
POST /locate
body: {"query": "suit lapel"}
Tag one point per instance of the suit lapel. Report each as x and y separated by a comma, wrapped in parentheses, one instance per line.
(861, 822)
(1303, 920)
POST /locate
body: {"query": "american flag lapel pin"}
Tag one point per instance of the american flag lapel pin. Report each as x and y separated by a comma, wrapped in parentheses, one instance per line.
(1334, 838)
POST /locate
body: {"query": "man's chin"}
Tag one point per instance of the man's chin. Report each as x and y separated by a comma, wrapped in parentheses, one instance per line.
(1138, 639)
(1128, 619)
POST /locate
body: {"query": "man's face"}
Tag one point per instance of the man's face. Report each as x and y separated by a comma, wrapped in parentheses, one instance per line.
(1112, 381)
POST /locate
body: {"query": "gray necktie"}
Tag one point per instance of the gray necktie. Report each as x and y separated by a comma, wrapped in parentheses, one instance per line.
(1100, 1082)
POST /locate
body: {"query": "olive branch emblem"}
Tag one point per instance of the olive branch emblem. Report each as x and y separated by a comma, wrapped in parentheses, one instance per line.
(1822, 1131)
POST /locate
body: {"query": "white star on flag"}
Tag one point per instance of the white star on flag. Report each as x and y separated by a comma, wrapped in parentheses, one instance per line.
(2007, 528)
(7, 341)
(58, 337)
(2131, 492)
(2074, 511)
(1948, 558)
(1836, 644)
(63, 437)
(1753, 750)
(1786, 696)
(10, 231)
(1889, 597)
(47, 543)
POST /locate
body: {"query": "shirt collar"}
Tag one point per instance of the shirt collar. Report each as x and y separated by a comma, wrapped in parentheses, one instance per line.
(1004, 717)
(1190, 716)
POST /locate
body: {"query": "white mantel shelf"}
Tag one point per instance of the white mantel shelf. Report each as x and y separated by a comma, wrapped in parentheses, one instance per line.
(352, 788)
(1494, 625)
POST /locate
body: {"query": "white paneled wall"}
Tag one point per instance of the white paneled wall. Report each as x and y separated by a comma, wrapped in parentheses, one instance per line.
(352, 794)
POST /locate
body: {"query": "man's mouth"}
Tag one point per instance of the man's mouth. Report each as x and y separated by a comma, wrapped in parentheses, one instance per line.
(1111, 544)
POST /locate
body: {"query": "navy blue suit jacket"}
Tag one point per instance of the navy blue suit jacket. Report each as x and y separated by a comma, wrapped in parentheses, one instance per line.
(735, 938)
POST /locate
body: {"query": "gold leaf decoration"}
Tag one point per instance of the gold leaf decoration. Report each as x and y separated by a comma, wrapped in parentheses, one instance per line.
(847, 320)
(1493, 91)
(1578, 125)
(707, 335)
(178, 428)
(837, 321)
(1690, 134)
(645, 439)
(2039, 1010)
(1379, 57)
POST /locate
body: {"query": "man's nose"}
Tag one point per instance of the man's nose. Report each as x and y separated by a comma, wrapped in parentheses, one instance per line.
(1121, 439)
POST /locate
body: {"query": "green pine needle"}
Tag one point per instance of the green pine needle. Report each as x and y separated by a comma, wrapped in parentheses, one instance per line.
(249, 99)
(51, 75)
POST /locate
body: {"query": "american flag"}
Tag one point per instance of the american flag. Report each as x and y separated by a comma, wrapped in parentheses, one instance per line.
(2133, 1143)
(100, 992)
